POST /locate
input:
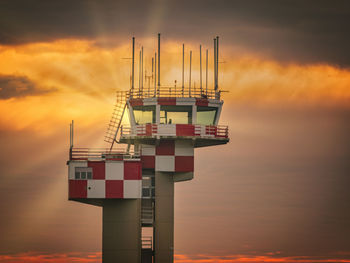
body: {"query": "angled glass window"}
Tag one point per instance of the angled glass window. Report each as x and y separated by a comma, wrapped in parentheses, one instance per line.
(206, 115)
(144, 114)
(175, 114)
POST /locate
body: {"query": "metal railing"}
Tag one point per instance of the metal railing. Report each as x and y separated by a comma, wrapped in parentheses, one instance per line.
(101, 154)
(147, 215)
(146, 242)
(174, 92)
(141, 130)
(217, 131)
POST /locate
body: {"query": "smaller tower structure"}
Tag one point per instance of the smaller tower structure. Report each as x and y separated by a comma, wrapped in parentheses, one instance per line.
(136, 188)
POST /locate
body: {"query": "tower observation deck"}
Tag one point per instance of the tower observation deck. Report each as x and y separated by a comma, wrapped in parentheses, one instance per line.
(136, 188)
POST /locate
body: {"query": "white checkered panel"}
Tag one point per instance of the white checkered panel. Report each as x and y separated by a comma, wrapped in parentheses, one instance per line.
(132, 188)
(165, 163)
(114, 170)
(96, 189)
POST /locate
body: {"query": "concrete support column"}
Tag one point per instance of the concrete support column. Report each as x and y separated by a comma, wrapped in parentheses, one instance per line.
(164, 217)
(121, 241)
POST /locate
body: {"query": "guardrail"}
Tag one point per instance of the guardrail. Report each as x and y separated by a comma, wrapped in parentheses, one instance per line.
(100, 154)
(146, 242)
(216, 131)
(175, 92)
(147, 215)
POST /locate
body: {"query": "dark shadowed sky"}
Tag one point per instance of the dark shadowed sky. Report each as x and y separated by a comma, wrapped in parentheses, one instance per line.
(293, 31)
(278, 191)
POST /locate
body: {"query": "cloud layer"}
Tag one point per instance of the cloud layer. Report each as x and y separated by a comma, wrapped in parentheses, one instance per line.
(280, 185)
(18, 86)
(308, 32)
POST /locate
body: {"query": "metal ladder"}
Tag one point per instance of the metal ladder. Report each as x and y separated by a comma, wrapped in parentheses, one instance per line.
(116, 119)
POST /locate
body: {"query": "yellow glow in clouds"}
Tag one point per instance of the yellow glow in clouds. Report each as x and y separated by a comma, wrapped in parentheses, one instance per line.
(79, 80)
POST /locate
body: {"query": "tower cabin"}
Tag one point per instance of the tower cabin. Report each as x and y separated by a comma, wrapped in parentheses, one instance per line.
(136, 188)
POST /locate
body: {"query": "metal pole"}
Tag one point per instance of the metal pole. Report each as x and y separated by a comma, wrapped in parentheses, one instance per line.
(158, 61)
(206, 74)
(72, 133)
(155, 74)
(200, 66)
(141, 70)
(217, 63)
(183, 69)
(133, 65)
(152, 67)
(189, 83)
(140, 73)
(214, 64)
(152, 72)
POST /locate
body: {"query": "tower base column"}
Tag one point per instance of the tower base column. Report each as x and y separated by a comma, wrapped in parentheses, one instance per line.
(164, 217)
(121, 241)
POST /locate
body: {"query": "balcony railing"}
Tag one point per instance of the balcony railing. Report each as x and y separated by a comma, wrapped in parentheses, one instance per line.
(96, 154)
(146, 242)
(173, 92)
(153, 130)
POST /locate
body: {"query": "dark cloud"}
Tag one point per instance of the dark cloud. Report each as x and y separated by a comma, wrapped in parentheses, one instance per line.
(300, 31)
(18, 86)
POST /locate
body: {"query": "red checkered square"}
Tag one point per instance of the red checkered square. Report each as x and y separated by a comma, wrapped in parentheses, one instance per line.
(148, 162)
(98, 169)
(114, 188)
(167, 101)
(136, 102)
(77, 189)
(184, 130)
(184, 163)
(132, 171)
(165, 147)
(202, 102)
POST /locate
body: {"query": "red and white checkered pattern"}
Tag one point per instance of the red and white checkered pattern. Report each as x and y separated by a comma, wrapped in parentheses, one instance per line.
(169, 156)
(110, 179)
(172, 130)
(175, 101)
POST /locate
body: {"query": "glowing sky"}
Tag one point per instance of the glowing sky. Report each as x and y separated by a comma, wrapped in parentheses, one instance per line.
(278, 192)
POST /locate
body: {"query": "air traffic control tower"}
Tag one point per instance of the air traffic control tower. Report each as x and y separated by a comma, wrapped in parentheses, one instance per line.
(135, 186)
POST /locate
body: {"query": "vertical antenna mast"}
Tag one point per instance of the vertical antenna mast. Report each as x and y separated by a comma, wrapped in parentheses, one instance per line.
(140, 73)
(142, 70)
(189, 82)
(214, 64)
(152, 76)
(206, 74)
(183, 69)
(133, 64)
(200, 67)
(152, 67)
(155, 74)
(158, 62)
(72, 133)
(217, 63)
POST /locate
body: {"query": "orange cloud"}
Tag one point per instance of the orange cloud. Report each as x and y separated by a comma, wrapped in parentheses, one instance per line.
(249, 258)
(51, 258)
(179, 258)
(78, 80)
